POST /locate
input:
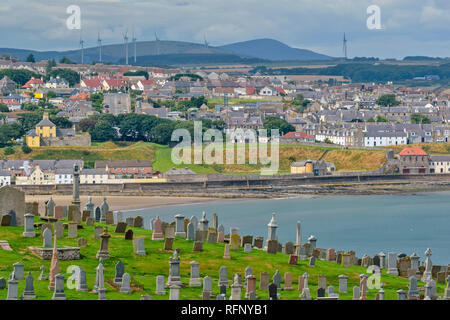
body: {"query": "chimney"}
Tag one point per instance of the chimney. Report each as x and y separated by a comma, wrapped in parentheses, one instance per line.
(45, 116)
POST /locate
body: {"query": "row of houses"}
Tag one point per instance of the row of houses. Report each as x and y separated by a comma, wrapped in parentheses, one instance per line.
(45, 172)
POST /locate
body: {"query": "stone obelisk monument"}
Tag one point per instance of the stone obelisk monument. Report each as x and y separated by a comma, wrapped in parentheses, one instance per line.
(76, 186)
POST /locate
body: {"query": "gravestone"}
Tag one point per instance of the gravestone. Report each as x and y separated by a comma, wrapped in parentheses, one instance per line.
(198, 246)
(125, 285)
(272, 246)
(235, 241)
(50, 208)
(29, 226)
(129, 235)
(194, 280)
(138, 222)
(277, 280)
(90, 222)
(331, 254)
(289, 248)
(322, 282)
(85, 215)
(288, 281)
(212, 235)
(343, 283)
(59, 294)
(226, 254)
(246, 239)
(293, 260)
(157, 231)
(247, 248)
(273, 291)
(5, 220)
(223, 277)
(29, 288)
(120, 269)
(97, 232)
(168, 243)
(312, 261)
(59, 229)
(220, 237)
(129, 221)
(72, 230)
(264, 281)
(320, 292)
(139, 246)
(121, 227)
(42, 275)
(59, 212)
(160, 285)
(179, 226)
(81, 284)
(65, 211)
(98, 214)
(109, 216)
(47, 235)
(258, 242)
(190, 232)
(82, 242)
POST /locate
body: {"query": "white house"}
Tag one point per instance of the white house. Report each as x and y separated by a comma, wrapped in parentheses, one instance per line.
(440, 164)
(376, 139)
(63, 176)
(266, 91)
(93, 176)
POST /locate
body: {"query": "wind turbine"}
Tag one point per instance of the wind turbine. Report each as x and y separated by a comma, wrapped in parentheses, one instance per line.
(82, 48)
(344, 47)
(99, 42)
(157, 44)
(125, 40)
(134, 43)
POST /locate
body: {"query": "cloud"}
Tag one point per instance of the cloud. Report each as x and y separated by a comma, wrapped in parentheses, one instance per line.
(410, 26)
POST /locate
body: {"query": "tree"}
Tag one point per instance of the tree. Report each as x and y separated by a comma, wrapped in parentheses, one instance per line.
(4, 107)
(9, 151)
(162, 133)
(30, 58)
(71, 76)
(29, 120)
(420, 118)
(26, 149)
(50, 64)
(62, 122)
(103, 131)
(387, 100)
(86, 125)
(277, 123)
(66, 60)
(19, 76)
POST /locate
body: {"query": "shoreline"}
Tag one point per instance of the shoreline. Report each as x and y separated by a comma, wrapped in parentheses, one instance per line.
(141, 202)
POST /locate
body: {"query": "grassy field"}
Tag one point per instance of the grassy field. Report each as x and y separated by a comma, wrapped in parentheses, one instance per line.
(345, 160)
(144, 269)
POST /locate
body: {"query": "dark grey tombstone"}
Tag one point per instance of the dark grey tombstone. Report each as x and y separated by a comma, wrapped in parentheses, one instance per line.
(2, 283)
(13, 222)
(320, 292)
(120, 270)
(98, 214)
(223, 289)
(272, 291)
(376, 260)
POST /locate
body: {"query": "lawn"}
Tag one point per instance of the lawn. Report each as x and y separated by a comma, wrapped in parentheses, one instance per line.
(144, 269)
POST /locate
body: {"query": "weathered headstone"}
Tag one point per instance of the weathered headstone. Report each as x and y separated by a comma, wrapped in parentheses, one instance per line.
(29, 226)
(160, 285)
(226, 254)
(121, 227)
(125, 286)
(47, 235)
(157, 231)
(288, 281)
(343, 283)
(198, 246)
(82, 242)
(72, 230)
(109, 215)
(120, 270)
(129, 234)
(168, 243)
(138, 222)
(97, 232)
(139, 246)
(194, 280)
(29, 288)
(264, 281)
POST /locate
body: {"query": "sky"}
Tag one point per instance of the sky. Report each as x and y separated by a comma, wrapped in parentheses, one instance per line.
(405, 28)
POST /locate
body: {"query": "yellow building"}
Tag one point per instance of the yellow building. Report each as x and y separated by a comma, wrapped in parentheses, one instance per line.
(36, 176)
(314, 167)
(44, 129)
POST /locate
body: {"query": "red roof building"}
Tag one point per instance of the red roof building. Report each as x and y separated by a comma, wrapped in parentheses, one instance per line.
(413, 152)
(33, 83)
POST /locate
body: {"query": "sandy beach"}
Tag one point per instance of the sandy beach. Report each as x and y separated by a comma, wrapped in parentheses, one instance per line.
(119, 202)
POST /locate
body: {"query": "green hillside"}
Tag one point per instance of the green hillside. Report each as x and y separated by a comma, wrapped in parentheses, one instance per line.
(144, 269)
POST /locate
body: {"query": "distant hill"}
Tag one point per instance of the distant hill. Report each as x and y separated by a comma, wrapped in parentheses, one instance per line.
(274, 50)
(150, 52)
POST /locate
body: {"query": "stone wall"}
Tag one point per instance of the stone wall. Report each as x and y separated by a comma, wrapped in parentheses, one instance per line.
(77, 140)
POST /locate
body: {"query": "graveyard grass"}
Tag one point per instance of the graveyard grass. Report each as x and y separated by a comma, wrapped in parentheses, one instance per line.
(144, 269)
